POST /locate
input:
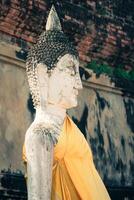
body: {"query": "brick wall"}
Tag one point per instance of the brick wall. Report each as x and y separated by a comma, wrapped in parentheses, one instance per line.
(102, 30)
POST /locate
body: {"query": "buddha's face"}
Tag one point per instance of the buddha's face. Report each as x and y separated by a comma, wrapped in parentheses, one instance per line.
(60, 87)
(64, 83)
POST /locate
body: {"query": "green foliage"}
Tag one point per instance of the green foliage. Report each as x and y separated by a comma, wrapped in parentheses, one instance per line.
(131, 74)
(117, 72)
(101, 9)
(120, 73)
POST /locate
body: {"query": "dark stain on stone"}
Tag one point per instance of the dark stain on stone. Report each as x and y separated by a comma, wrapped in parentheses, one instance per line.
(132, 170)
(93, 142)
(112, 152)
(102, 102)
(21, 54)
(30, 106)
(81, 72)
(131, 143)
(84, 73)
(82, 123)
(121, 167)
(122, 178)
(129, 106)
(101, 151)
(97, 146)
(123, 143)
(100, 136)
(117, 167)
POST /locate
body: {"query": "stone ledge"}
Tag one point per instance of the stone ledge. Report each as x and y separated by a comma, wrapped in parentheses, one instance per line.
(8, 55)
(105, 88)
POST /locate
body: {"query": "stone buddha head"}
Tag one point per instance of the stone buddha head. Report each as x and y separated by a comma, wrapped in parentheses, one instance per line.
(53, 68)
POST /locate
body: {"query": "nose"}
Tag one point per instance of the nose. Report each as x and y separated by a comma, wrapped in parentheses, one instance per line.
(78, 83)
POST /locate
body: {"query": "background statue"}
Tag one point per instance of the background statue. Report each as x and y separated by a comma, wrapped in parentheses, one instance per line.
(59, 161)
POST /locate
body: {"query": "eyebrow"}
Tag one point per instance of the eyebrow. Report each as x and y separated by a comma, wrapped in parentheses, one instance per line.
(71, 66)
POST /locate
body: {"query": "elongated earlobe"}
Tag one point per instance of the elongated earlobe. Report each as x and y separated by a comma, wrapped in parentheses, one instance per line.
(42, 75)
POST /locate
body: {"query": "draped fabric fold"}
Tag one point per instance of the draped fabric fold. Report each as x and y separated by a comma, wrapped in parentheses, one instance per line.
(74, 174)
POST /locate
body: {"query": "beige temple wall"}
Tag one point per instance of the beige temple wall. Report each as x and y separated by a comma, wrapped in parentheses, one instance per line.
(14, 115)
(104, 115)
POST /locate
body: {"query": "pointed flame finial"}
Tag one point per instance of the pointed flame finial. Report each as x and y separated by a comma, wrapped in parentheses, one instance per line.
(53, 22)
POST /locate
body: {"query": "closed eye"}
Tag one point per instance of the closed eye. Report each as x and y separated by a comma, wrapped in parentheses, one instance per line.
(72, 70)
(73, 73)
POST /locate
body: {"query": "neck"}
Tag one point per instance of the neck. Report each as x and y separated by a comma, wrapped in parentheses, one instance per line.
(50, 112)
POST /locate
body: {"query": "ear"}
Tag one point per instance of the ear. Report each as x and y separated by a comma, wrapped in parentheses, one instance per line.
(42, 76)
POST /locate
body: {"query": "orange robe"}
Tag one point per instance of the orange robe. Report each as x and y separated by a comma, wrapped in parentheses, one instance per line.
(74, 175)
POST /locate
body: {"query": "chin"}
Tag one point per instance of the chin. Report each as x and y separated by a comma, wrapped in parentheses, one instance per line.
(68, 103)
(72, 104)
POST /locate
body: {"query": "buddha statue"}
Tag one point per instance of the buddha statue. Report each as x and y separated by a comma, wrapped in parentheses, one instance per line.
(58, 159)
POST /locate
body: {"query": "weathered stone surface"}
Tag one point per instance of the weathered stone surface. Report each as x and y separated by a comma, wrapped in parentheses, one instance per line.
(14, 115)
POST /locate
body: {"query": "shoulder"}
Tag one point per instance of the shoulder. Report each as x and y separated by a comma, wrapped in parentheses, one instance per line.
(37, 128)
(42, 129)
